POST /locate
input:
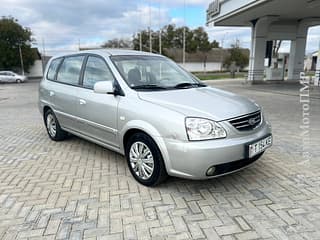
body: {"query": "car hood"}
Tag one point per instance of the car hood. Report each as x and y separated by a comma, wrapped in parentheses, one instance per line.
(203, 102)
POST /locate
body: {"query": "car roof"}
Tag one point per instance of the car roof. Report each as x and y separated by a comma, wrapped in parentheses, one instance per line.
(110, 52)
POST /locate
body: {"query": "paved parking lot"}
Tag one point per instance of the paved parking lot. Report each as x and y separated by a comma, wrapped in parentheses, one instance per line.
(76, 189)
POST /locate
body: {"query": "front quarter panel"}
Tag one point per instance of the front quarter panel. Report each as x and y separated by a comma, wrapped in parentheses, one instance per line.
(158, 122)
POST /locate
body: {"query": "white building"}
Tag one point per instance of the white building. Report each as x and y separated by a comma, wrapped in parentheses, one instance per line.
(36, 70)
(270, 20)
(210, 61)
(310, 62)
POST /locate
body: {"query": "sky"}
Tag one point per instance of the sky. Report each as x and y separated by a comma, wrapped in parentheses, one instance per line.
(61, 25)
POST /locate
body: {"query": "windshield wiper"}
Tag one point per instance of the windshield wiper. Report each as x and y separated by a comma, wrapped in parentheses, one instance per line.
(148, 87)
(188, 85)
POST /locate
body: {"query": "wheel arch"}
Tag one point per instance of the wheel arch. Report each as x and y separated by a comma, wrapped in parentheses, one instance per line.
(45, 109)
(146, 128)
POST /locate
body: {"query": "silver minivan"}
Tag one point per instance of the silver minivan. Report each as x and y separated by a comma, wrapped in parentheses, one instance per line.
(162, 118)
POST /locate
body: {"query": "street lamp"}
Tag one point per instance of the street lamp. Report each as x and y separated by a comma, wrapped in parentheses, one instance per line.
(160, 30)
(222, 51)
(150, 31)
(184, 35)
(21, 58)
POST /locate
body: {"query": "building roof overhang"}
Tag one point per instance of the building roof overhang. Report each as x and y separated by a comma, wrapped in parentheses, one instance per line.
(244, 12)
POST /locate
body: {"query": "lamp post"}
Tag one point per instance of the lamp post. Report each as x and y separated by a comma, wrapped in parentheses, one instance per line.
(318, 67)
(150, 40)
(150, 31)
(222, 51)
(21, 59)
(43, 55)
(160, 30)
(140, 41)
(184, 34)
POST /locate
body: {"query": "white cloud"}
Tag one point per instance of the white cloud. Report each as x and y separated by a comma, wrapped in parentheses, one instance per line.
(182, 2)
(229, 35)
(177, 21)
(62, 23)
(313, 43)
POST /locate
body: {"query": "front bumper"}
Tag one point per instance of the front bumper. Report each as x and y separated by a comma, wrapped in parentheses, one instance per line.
(192, 159)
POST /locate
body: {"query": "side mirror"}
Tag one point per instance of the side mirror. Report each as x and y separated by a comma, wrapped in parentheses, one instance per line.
(105, 87)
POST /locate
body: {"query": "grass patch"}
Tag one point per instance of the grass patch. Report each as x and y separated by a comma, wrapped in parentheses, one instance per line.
(204, 77)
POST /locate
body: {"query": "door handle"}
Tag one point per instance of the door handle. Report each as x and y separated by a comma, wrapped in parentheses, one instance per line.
(51, 93)
(82, 102)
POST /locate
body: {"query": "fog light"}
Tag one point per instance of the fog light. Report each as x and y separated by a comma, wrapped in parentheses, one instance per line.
(211, 171)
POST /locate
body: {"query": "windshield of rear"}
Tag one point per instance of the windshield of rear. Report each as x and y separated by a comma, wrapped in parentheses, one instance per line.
(152, 72)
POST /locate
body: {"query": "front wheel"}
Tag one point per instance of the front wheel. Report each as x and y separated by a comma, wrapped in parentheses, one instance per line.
(145, 160)
(53, 127)
(18, 81)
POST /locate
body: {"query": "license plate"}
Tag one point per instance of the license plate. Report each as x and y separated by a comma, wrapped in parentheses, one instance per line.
(259, 146)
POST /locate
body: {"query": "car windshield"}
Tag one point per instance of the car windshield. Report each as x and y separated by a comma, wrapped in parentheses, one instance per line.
(153, 73)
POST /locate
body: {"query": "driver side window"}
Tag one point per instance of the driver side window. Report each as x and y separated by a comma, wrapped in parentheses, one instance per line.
(96, 71)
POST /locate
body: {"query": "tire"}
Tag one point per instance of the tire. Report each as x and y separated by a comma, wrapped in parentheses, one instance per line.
(140, 167)
(53, 127)
(18, 81)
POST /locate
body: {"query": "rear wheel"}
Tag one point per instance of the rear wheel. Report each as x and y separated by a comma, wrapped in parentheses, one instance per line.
(53, 127)
(145, 160)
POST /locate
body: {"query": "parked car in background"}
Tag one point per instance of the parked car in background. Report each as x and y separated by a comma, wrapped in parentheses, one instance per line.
(9, 76)
(144, 106)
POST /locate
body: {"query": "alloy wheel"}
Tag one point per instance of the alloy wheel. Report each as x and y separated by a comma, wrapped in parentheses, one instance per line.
(51, 125)
(141, 160)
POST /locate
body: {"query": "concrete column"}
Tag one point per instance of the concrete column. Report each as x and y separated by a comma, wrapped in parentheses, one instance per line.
(318, 66)
(302, 32)
(296, 58)
(256, 71)
(260, 30)
(298, 48)
(251, 57)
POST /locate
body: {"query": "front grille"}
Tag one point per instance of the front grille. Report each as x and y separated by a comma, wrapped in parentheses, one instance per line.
(247, 122)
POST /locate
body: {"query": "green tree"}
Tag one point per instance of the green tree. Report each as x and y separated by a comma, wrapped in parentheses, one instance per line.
(237, 57)
(169, 33)
(172, 37)
(145, 41)
(13, 35)
(117, 43)
(202, 44)
(215, 44)
(201, 40)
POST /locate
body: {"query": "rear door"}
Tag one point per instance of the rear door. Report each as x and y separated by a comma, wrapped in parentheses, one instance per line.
(2, 76)
(98, 112)
(65, 91)
(49, 84)
(5, 77)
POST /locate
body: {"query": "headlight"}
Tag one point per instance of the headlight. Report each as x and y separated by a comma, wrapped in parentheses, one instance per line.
(203, 129)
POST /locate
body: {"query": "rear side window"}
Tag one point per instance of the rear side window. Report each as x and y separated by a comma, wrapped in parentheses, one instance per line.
(96, 70)
(70, 70)
(53, 69)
